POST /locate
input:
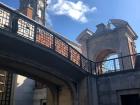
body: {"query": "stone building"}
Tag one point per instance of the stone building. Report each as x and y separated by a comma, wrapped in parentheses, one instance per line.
(109, 85)
(112, 87)
(116, 39)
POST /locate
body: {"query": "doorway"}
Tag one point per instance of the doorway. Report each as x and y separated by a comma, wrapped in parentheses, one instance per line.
(43, 102)
(130, 99)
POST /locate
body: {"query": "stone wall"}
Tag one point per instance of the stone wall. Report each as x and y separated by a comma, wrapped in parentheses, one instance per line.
(39, 95)
(111, 86)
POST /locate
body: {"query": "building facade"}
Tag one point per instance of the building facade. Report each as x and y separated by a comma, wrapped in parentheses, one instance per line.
(110, 87)
(116, 39)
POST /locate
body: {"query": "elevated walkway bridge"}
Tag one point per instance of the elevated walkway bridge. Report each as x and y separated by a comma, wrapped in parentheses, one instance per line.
(32, 50)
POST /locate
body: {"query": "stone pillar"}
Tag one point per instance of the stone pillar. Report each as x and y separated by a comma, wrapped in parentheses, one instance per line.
(65, 96)
(88, 91)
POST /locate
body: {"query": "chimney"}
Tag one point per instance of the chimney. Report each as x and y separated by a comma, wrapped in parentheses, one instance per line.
(28, 12)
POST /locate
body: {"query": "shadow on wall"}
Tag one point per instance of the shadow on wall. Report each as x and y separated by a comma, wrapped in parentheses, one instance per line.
(24, 91)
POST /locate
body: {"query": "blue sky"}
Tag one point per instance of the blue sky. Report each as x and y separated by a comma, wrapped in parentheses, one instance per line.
(70, 17)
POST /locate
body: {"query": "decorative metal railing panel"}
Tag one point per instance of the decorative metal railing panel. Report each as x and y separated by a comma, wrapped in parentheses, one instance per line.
(61, 47)
(74, 56)
(85, 63)
(116, 64)
(4, 18)
(26, 28)
(44, 38)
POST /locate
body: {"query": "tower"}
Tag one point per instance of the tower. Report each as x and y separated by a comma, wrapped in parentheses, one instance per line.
(34, 9)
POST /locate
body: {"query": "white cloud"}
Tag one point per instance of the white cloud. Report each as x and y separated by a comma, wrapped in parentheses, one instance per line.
(77, 11)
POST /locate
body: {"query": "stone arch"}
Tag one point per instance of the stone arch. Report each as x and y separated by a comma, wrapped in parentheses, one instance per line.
(102, 56)
(64, 94)
(106, 38)
(72, 87)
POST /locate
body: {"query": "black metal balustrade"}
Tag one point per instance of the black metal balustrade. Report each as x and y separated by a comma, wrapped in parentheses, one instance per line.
(14, 22)
(116, 64)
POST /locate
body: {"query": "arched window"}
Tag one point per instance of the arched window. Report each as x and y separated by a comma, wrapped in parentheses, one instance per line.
(111, 63)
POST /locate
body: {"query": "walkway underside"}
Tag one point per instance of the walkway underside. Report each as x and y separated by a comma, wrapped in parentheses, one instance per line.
(25, 57)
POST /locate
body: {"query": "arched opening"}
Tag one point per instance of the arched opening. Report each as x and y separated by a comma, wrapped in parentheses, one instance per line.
(17, 89)
(111, 63)
(44, 94)
(23, 91)
(107, 61)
